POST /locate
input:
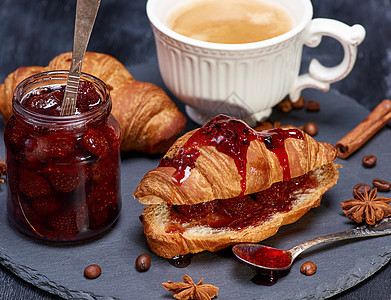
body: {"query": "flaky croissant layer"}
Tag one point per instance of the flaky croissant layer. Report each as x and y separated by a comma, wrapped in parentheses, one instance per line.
(216, 175)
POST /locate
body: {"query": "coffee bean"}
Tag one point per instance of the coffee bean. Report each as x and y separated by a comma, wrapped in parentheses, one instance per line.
(265, 125)
(143, 262)
(312, 106)
(311, 128)
(308, 268)
(361, 188)
(369, 161)
(299, 103)
(92, 271)
(285, 106)
(381, 185)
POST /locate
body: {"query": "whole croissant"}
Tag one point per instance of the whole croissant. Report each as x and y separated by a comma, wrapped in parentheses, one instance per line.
(211, 209)
(149, 120)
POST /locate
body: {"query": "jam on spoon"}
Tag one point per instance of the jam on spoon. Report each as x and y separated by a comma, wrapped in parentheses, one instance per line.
(272, 263)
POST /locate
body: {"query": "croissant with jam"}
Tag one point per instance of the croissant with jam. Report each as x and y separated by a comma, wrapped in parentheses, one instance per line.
(149, 120)
(226, 183)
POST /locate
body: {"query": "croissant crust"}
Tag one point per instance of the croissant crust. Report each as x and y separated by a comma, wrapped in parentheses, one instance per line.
(215, 175)
(149, 120)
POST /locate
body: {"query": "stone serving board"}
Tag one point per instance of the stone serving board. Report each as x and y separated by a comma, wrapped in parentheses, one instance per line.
(341, 265)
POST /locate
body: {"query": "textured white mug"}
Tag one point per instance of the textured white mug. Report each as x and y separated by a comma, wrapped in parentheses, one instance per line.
(247, 80)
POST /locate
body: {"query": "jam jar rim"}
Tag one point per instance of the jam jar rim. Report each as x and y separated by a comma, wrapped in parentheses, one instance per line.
(74, 120)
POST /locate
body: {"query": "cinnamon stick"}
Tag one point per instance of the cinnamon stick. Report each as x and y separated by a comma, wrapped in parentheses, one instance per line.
(375, 121)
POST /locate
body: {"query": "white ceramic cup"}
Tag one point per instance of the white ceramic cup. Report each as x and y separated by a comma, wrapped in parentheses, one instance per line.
(247, 80)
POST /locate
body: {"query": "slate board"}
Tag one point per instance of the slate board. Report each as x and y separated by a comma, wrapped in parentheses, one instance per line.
(341, 265)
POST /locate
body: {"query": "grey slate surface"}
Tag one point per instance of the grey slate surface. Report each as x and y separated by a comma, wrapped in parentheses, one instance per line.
(340, 265)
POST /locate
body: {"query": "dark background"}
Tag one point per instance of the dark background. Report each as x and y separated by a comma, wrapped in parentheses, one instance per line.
(32, 32)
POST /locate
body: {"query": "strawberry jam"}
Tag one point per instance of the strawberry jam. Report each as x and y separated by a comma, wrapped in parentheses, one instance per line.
(241, 212)
(231, 137)
(63, 171)
(269, 257)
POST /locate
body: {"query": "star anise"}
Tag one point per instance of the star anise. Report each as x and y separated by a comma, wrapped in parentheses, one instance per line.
(189, 290)
(367, 207)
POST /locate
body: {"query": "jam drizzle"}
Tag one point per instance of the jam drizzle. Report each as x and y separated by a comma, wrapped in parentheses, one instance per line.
(231, 137)
(274, 140)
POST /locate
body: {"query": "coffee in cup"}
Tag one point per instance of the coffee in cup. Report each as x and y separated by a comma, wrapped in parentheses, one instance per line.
(230, 21)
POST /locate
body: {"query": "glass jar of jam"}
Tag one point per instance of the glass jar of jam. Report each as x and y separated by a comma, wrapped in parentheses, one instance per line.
(63, 171)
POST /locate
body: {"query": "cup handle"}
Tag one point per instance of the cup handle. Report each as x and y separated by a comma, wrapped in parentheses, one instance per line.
(319, 76)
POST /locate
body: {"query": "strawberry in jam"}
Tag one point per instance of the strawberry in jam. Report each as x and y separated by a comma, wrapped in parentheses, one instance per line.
(48, 100)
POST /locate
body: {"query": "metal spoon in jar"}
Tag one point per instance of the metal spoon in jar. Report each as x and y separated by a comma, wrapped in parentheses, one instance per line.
(86, 11)
(270, 260)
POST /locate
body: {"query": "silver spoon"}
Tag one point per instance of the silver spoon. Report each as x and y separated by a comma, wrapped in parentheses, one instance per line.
(86, 11)
(266, 259)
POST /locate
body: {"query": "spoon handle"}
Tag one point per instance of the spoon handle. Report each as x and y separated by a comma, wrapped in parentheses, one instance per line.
(86, 11)
(382, 228)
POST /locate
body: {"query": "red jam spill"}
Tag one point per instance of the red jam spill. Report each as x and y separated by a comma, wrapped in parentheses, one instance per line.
(269, 278)
(240, 212)
(231, 137)
(62, 185)
(181, 261)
